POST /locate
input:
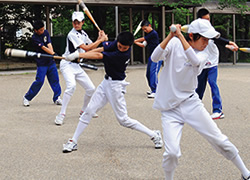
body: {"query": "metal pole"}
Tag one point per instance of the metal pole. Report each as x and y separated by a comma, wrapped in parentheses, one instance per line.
(131, 30)
(143, 49)
(163, 22)
(116, 21)
(234, 39)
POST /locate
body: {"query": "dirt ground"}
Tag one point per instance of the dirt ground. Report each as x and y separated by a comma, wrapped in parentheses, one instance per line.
(31, 144)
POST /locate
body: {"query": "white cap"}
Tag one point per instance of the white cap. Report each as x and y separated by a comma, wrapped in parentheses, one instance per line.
(204, 28)
(79, 16)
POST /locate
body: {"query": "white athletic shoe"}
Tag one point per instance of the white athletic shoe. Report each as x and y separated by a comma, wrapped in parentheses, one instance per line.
(94, 116)
(69, 146)
(157, 139)
(152, 95)
(58, 101)
(217, 115)
(59, 119)
(25, 102)
(149, 92)
(248, 178)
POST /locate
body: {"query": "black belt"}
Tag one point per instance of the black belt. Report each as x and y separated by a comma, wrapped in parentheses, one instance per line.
(108, 77)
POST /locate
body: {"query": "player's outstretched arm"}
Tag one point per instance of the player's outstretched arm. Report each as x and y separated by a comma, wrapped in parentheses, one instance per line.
(93, 54)
(139, 42)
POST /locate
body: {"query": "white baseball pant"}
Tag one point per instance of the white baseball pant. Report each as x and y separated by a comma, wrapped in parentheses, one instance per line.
(192, 112)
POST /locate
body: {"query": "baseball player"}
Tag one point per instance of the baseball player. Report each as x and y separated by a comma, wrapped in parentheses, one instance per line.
(151, 40)
(45, 66)
(177, 100)
(77, 40)
(210, 71)
(115, 56)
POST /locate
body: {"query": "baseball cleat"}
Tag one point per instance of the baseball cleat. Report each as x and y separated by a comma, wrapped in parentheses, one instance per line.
(248, 178)
(217, 115)
(25, 102)
(58, 101)
(69, 146)
(149, 92)
(59, 119)
(152, 95)
(157, 139)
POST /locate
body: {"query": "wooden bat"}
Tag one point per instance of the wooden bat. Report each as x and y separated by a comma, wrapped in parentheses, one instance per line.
(24, 53)
(138, 28)
(87, 12)
(184, 28)
(246, 50)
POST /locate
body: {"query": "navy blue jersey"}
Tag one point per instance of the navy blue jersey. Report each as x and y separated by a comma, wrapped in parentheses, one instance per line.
(115, 61)
(39, 41)
(152, 39)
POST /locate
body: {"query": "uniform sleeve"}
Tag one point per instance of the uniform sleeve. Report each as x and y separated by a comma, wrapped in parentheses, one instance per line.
(194, 59)
(157, 54)
(48, 37)
(75, 40)
(37, 43)
(221, 41)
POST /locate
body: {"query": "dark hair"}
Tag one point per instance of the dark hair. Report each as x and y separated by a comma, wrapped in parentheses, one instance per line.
(125, 38)
(202, 12)
(38, 24)
(145, 23)
(196, 36)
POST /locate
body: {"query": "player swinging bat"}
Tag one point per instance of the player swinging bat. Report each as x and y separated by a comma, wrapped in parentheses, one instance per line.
(87, 12)
(23, 54)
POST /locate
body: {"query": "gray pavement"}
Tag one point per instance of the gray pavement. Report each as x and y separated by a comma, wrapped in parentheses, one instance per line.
(31, 144)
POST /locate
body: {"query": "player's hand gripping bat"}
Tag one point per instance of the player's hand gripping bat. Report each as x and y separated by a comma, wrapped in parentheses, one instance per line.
(23, 54)
(87, 12)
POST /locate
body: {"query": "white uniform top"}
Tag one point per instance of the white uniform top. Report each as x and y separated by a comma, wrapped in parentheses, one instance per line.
(178, 79)
(74, 40)
(213, 54)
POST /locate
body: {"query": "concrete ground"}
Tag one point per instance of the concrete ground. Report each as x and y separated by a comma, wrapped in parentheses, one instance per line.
(31, 144)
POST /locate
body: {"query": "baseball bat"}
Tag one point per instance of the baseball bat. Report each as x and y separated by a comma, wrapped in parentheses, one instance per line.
(246, 50)
(184, 28)
(89, 66)
(23, 54)
(138, 28)
(87, 12)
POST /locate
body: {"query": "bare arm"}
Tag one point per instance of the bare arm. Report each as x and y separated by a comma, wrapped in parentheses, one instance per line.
(102, 37)
(48, 49)
(91, 55)
(139, 41)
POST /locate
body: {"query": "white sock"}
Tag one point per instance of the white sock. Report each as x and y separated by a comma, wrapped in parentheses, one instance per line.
(65, 102)
(140, 127)
(241, 166)
(79, 130)
(169, 175)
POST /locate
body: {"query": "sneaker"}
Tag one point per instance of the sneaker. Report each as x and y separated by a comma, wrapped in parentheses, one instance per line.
(248, 178)
(94, 116)
(69, 146)
(217, 115)
(157, 139)
(25, 102)
(152, 95)
(59, 119)
(149, 92)
(58, 101)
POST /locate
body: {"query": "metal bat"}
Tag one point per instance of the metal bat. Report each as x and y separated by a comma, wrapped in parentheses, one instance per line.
(23, 53)
(138, 28)
(89, 66)
(87, 12)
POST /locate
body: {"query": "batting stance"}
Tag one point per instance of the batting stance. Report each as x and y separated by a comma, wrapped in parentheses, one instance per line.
(77, 39)
(45, 66)
(177, 100)
(115, 56)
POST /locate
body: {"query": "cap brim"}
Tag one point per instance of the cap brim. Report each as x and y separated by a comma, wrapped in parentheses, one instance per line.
(211, 34)
(78, 19)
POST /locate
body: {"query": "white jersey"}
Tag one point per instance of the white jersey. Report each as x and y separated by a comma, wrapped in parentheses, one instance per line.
(213, 54)
(178, 79)
(74, 40)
